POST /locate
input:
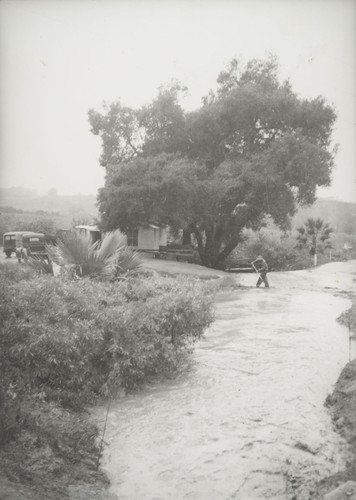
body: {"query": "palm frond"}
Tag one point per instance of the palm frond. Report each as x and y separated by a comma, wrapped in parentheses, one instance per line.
(111, 243)
(108, 259)
(39, 264)
(127, 262)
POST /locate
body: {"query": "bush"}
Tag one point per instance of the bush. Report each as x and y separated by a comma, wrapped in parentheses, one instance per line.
(27, 222)
(109, 259)
(277, 248)
(73, 340)
(162, 318)
(281, 252)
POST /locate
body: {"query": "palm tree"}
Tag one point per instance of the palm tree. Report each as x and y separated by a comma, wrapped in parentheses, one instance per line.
(108, 259)
(315, 234)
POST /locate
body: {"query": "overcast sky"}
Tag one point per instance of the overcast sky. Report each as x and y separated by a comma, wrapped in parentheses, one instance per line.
(58, 58)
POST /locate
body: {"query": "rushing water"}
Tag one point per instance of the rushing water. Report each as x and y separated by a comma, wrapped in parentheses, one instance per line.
(250, 413)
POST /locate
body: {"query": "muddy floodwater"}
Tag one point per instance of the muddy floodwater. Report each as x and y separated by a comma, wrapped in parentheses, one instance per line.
(249, 416)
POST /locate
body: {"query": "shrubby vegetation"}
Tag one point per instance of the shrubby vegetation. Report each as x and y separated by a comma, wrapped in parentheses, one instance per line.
(26, 222)
(75, 340)
(108, 259)
(281, 249)
(64, 344)
(277, 248)
(36, 222)
(314, 235)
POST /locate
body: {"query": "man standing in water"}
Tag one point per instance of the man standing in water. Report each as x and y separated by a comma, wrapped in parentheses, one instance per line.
(261, 267)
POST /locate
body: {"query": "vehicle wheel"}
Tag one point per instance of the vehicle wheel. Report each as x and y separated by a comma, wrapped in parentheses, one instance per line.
(8, 253)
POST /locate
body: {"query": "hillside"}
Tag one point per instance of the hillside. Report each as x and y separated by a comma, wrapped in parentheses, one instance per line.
(340, 215)
(30, 201)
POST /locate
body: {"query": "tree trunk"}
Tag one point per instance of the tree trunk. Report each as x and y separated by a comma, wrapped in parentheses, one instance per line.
(205, 249)
(199, 239)
(211, 254)
(222, 256)
(186, 237)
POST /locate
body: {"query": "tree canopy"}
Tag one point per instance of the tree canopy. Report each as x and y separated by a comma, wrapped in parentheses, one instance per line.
(254, 147)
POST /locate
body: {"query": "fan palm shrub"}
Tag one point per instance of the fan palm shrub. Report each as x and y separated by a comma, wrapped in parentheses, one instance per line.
(40, 264)
(107, 259)
(314, 235)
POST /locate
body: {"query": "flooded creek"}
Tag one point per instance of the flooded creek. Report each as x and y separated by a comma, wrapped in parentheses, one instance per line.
(250, 412)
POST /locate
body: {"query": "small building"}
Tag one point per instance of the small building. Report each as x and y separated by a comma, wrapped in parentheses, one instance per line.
(150, 238)
(144, 239)
(92, 231)
(347, 246)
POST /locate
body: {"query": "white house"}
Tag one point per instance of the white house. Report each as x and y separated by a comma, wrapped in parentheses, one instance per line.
(149, 238)
(92, 231)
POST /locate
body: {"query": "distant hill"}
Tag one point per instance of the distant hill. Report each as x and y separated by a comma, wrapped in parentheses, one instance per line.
(340, 215)
(28, 200)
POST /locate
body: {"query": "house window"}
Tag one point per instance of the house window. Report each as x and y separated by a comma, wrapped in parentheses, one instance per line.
(132, 238)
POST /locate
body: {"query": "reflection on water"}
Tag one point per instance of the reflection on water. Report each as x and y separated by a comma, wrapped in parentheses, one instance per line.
(251, 408)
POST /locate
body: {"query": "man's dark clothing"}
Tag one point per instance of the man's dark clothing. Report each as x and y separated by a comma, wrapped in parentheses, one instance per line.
(262, 268)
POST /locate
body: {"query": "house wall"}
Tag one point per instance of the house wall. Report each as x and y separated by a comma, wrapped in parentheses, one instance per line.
(124, 237)
(163, 237)
(148, 238)
(91, 231)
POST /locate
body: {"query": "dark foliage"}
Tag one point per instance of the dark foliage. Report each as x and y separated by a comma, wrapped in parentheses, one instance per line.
(253, 148)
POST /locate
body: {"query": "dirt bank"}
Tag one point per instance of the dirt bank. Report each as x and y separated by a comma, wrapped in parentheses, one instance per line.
(342, 404)
(53, 457)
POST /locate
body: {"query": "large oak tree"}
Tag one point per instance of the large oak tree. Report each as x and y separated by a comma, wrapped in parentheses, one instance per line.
(253, 148)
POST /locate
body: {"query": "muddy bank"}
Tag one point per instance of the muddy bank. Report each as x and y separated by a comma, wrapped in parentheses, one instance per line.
(342, 405)
(54, 456)
(342, 408)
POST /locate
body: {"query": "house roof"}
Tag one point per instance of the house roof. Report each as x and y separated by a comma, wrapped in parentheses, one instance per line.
(88, 228)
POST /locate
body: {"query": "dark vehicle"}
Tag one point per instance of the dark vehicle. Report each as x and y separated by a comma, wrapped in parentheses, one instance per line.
(34, 244)
(9, 241)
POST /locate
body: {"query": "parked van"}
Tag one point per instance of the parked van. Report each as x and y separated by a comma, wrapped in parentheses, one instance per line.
(34, 244)
(24, 243)
(9, 241)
